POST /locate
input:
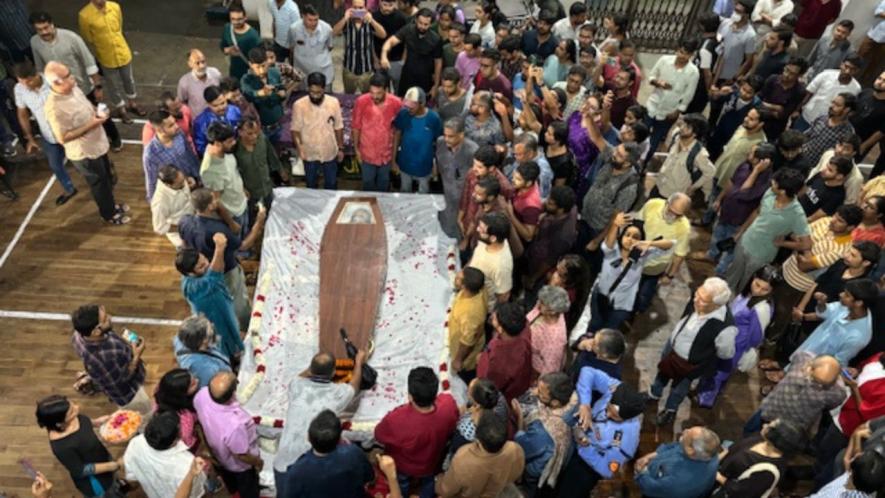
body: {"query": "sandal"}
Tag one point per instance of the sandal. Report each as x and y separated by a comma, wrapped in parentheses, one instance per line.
(122, 208)
(119, 219)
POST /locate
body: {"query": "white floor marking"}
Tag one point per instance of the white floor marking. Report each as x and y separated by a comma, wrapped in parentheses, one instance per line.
(24, 224)
(64, 317)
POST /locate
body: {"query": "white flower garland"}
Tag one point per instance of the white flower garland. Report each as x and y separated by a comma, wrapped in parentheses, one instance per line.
(254, 336)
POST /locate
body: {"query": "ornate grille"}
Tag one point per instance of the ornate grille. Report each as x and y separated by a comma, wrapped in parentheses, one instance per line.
(655, 25)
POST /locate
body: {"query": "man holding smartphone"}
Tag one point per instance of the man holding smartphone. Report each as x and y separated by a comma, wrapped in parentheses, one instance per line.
(359, 29)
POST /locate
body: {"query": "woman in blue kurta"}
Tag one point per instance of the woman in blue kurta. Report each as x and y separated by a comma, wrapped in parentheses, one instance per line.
(203, 286)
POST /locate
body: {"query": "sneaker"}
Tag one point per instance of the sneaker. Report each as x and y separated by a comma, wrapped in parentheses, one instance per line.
(649, 396)
(65, 197)
(666, 417)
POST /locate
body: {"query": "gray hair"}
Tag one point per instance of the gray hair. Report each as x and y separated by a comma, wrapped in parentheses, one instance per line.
(528, 140)
(455, 124)
(555, 298)
(610, 344)
(705, 445)
(194, 330)
(719, 290)
(675, 196)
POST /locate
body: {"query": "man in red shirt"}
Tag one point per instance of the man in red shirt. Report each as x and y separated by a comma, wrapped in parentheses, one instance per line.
(373, 115)
(813, 21)
(490, 78)
(508, 360)
(525, 208)
(416, 433)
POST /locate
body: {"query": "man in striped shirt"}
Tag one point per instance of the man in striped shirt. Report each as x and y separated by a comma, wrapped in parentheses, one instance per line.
(358, 27)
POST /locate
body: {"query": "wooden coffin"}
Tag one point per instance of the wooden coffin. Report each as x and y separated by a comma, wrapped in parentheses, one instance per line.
(353, 270)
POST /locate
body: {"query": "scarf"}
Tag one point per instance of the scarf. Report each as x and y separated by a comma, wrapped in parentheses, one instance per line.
(552, 420)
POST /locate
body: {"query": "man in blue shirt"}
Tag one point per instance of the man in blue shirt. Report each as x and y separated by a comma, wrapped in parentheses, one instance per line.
(217, 110)
(416, 131)
(847, 325)
(611, 432)
(686, 468)
(196, 350)
(331, 467)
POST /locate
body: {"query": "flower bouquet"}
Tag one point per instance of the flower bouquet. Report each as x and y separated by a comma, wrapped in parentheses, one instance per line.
(120, 427)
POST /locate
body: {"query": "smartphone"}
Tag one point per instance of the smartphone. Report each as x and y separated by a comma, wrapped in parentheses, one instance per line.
(131, 336)
(358, 13)
(533, 60)
(847, 374)
(28, 468)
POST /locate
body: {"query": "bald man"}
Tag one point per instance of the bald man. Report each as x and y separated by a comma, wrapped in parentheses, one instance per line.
(663, 218)
(192, 84)
(230, 433)
(77, 125)
(309, 394)
(811, 387)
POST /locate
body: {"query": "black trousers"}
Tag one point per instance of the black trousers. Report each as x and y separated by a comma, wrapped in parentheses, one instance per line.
(97, 173)
(244, 483)
(577, 479)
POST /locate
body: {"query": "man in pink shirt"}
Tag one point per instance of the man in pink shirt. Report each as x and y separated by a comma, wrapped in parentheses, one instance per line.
(184, 118)
(416, 433)
(231, 434)
(372, 130)
(467, 62)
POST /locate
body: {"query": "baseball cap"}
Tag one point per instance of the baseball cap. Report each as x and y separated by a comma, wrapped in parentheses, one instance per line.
(414, 97)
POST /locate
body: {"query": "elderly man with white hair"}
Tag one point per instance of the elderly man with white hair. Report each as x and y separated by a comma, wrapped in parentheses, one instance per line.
(685, 468)
(77, 125)
(704, 335)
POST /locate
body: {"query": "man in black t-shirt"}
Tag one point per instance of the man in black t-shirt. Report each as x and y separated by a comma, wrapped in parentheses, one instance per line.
(868, 118)
(825, 191)
(392, 20)
(423, 62)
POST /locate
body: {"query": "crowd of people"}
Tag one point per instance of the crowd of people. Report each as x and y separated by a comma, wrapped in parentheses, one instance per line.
(569, 197)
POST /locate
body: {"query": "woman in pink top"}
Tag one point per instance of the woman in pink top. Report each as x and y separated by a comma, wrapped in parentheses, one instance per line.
(175, 393)
(548, 332)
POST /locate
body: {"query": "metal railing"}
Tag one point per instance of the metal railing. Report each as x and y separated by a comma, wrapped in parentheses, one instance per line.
(655, 25)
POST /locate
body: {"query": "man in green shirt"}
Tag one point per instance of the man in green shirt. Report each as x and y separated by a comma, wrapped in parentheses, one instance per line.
(256, 159)
(237, 39)
(779, 221)
(263, 87)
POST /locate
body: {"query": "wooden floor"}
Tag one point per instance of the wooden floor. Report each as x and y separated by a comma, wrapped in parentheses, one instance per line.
(67, 257)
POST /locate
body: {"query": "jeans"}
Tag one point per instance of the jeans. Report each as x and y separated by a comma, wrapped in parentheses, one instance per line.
(426, 487)
(754, 424)
(97, 174)
(648, 288)
(376, 177)
(330, 173)
(55, 156)
(406, 185)
(710, 214)
(659, 129)
(721, 231)
(604, 316)
(678, 391)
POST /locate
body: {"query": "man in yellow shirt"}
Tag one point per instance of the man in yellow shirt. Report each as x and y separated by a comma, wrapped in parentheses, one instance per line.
(101, 26)
(665, 219)
(467, 322)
